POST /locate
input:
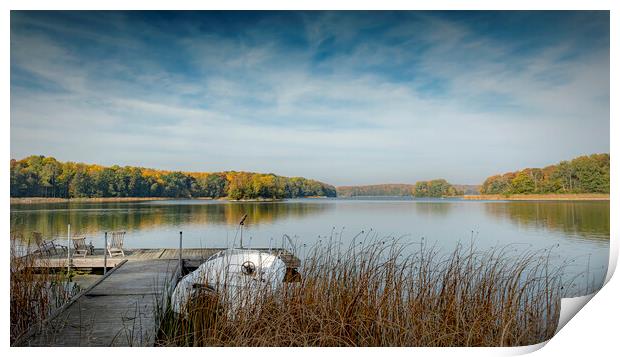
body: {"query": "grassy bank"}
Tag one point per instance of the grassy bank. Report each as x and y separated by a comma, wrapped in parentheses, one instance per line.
(29, 200)
(542, 197)
(376, 295)
(34, 200)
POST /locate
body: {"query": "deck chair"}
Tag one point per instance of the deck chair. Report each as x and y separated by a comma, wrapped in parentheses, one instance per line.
(115, 244)
(46, 247)
(80, 248)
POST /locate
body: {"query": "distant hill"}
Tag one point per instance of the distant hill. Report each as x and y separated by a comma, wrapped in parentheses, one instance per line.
(407, 190)
(376, 190)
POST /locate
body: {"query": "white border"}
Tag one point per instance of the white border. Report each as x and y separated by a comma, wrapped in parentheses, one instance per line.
(592, 331)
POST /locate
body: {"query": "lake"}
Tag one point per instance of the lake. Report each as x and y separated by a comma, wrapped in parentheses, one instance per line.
(577, 231)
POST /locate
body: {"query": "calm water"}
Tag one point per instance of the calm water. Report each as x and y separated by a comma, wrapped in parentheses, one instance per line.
(577, 230)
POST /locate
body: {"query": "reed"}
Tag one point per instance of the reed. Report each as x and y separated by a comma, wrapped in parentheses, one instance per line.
(35, 292)
(384, 293)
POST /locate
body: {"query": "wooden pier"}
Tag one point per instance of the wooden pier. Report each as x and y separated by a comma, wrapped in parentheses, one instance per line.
(120, 309)
(192, 257)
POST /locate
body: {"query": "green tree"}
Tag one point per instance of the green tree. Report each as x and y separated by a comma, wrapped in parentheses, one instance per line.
(522, 183)
(81, 185)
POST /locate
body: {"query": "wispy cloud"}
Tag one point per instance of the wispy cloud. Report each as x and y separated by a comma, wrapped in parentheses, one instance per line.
(343, 97)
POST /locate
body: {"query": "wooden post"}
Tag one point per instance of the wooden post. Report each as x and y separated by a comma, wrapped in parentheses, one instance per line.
(68, 248)
(241, 224)
(105, 253)
(180, 254)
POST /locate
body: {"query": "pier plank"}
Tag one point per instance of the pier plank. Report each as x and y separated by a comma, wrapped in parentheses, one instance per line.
(120, 311)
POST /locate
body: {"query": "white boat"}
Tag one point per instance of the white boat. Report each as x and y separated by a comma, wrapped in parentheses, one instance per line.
(241, 274)
(236, 275)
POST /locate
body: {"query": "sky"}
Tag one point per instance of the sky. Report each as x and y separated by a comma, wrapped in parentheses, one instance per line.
(347, 98)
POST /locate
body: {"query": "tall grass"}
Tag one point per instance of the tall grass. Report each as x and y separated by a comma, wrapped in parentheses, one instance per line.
(384, 293)
(35, 291)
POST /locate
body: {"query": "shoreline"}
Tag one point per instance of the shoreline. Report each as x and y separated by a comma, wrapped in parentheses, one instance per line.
(33, 200)
(496, 197)
(251, 199)
(541, 197)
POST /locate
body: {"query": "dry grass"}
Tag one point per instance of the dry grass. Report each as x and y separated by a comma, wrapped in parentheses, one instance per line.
(383, 293)
(542, 197)
(35, 292)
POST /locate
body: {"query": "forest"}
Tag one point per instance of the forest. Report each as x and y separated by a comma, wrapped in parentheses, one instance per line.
(432, 188)
(584, 174)
(40, 176)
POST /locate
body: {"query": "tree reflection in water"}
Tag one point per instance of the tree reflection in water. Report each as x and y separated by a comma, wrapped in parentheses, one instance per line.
(588, 220)
(52, 219)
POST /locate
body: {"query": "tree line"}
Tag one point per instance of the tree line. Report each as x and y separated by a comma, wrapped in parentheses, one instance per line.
(432, 188)
(584, 174)
(40, 176)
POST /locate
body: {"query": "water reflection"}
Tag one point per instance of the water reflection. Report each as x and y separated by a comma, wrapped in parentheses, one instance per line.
(52, 219)
(434, 218)
(589, 220)
(433, 209)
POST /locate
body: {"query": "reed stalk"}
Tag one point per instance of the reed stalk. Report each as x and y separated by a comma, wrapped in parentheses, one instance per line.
(36, 288)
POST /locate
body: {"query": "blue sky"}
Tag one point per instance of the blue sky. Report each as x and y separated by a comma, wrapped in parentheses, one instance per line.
(343, 97)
